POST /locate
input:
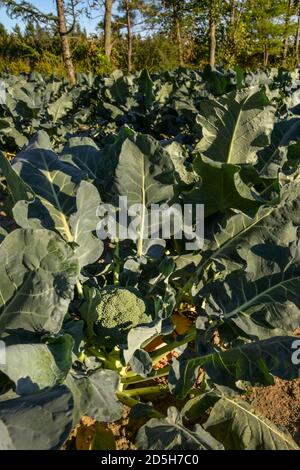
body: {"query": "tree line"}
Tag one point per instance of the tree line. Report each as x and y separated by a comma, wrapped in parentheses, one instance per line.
(156, 34)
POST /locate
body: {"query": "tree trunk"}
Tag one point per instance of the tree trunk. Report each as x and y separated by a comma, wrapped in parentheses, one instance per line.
(286, 34)
(212, 42)
(178, 32)
(65, 44)
(107, 28)
(232, 13)
(297, 42)
(266, 55)
(129, 36)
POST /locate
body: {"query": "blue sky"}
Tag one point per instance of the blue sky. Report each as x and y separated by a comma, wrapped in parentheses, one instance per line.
(49, 6)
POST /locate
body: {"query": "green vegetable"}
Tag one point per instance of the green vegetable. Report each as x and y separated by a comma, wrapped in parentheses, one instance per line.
(118, 312)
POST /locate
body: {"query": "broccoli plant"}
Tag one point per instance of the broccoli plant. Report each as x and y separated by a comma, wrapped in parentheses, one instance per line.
(118, 311)
(89, 324)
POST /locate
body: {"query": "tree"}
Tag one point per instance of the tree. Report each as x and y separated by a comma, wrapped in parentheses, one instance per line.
(30, 12)
(286, 32)
(106, 25)
(130, 11)
(108, 28)
(177, 14)
(297, 38)
(65, 44)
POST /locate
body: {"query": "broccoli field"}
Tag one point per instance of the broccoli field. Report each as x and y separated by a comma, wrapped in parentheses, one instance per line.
(178, 337)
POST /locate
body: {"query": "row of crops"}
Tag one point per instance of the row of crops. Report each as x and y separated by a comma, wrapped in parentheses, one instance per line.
(89, 325)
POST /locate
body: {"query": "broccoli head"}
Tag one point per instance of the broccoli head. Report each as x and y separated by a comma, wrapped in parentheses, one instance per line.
(119, 311)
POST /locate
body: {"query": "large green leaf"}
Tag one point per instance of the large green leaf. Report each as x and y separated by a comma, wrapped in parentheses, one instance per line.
(251, 363)
(38, 272)
(285, 133)
(263, 300)
(235, 126)
(17, 188)
(171, 434)
(220, 187)
(41, 421)
(95, 395)
(35, 366)
(60, 107)
(86, 155)
(84, 222)
(55, 184)
(230, 241)
(234, 423)
(145, 175)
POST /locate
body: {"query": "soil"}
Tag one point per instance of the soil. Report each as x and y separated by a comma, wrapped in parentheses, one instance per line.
(280, 403)
(82, 436)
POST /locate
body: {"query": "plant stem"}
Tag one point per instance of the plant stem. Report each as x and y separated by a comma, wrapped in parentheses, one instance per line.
(129, 380)
(128, 401)
(162, 352)
(138, 392)
(79, 289)
(116, 263)
(94, 352)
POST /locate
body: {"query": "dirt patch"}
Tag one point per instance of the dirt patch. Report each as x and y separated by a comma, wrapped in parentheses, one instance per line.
(124, 436)
(82, 436)
(280, 403)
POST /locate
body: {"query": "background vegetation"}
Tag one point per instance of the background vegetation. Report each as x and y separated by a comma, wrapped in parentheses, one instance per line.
(154, 34)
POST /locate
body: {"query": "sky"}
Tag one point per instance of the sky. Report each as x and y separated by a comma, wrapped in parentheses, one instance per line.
(48, 6)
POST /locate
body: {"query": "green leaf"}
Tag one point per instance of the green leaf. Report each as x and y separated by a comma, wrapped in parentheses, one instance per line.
(84, 222)
(35, 366)
(38, 273)
(85, 155)
(145, 175)
(230, 241)
(252, 363)
(41, 421)
(285, 134)
(171, 434)
(60, 107)
(220, 187)
(235, 126)
(17, 188)
(263, 299)
(239, 427)
(95, 395)
(54, 183)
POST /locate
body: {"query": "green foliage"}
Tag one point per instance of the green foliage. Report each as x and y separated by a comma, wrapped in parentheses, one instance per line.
(98, 317)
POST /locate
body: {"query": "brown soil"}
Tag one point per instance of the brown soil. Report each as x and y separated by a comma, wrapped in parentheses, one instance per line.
(281, 404)
(124, 436)
(82, 436)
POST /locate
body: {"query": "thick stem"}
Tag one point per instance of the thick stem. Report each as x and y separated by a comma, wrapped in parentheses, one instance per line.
(128, 401)
(79, 289)
(136, 379)
(116, 263)
(162, 352)
(139, 392)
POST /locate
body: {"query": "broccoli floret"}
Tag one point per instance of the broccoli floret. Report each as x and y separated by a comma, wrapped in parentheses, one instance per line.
(118, 312)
